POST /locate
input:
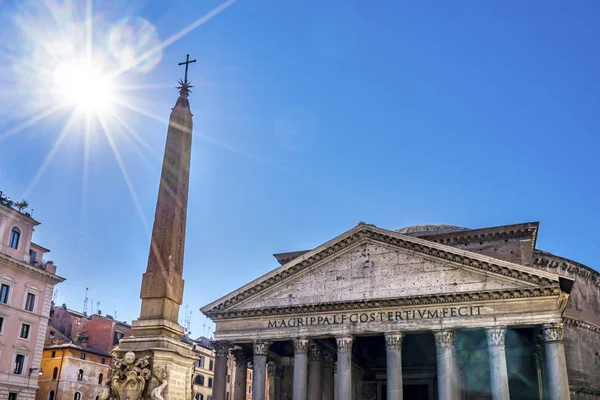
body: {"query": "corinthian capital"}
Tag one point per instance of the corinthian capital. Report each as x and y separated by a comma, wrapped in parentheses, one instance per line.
(241, 356)
(260, 347)
(393, 341)
(444, 338)
(344, 344)
(327, 360)
(314, 352)
(300, 345)
(553, 333)
(221, 347)
(495, 336)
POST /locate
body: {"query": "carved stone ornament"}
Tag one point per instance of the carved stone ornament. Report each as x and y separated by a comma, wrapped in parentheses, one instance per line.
(129, 376)
(444, 338)
(261, 347)
(221, 348)
(314, 352)
(271, 369)
(300, 345)
(162, 375)
(495, 336)
(553, 333)
(393, 341)
(344, 344)
(327, 360)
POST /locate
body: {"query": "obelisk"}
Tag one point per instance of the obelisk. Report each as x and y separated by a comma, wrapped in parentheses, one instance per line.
(157, 333)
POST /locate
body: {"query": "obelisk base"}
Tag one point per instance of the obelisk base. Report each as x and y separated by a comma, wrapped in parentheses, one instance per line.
(171, 365)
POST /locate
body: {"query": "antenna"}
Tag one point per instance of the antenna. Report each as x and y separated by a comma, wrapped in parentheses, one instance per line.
(85, 302)
(92, 310)
(55, 296)
(97, 306)
(187, 321)
(204, 329)
(116, 315)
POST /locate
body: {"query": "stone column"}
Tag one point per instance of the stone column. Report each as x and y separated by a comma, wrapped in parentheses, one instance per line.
(393, 346)
(271, 377)
(556, 363)
(446, 365)
(241, 374)
(220, 383)
(314, 372)
(259, 369)
(498, 369)
(344, 367)
(328, 377)
(299, 391)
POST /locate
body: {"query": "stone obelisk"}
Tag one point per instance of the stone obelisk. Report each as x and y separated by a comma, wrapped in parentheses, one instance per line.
(155, 344)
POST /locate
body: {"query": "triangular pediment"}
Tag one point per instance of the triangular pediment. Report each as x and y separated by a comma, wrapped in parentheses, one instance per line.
(372, 264)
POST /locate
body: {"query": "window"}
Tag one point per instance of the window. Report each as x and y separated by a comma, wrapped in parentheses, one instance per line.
(15, 235)
(201, 363)
(103, 361)
(32, 256)
(209, 382)
(30, 302)
(53, 354)
(210, 365)
(82, 356)
(249, 388)
(199, 380)
(51, 336)
(199, 397)
(80, 376)
(55, 373)
(51, 395)
(116, 337)
(25, 328)
(19, 364)
(4, 291)
(100, 378)
(249, 375)
(227, 395)
(1, 323)
(77, 396)
(12, 396)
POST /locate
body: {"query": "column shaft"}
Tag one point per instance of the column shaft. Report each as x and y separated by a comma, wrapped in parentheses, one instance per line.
(259, 369)
(393, 346)
(328, 379)
(498, 369)
(241, 375)
(556, 362)
(220, 383)
(344, 368)
(299, 391)
(446, 366)
(314, 373)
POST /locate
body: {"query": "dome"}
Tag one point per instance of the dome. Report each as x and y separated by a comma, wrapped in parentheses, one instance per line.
(430, 229)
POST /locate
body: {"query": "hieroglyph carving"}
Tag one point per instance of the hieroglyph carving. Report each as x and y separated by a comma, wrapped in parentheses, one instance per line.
(495, 336)
(393, 341)
(344, 344)
(129, 376)
(553, 333)
(444, 338)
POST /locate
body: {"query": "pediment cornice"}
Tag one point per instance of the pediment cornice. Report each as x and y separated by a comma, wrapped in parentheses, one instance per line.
(364, 232)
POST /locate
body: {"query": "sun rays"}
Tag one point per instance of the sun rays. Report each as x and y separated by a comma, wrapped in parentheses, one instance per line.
(74, 60)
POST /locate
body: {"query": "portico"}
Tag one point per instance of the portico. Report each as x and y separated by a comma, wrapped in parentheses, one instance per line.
(375, 314)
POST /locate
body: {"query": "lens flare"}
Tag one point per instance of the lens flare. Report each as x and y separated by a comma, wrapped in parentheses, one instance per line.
(132, 37)
(83, 85)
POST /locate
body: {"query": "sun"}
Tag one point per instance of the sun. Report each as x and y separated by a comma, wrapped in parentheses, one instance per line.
(84, 86)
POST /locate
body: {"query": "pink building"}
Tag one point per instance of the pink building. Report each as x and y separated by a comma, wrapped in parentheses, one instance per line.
(26, 287)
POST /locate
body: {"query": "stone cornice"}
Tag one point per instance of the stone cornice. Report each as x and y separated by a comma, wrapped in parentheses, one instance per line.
(566, 266)
(363, 233)
(21, 265)
(481, 235)
(459, 297)
(577, 323)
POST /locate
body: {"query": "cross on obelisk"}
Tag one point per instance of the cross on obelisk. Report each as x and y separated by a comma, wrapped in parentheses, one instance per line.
(186, 63)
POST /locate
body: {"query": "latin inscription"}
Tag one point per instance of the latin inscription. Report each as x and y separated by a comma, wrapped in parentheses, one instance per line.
(387, 316)
(177, 388)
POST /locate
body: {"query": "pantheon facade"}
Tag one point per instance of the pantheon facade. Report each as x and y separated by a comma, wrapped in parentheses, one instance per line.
(423, 312)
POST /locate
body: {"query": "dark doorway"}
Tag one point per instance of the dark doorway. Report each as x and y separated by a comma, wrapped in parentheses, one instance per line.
(415, 392)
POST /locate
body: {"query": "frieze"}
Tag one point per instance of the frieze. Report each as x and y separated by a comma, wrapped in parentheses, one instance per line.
(445, 298)
(393, 341)
(495, 336)
(362, 318)
(397, 240)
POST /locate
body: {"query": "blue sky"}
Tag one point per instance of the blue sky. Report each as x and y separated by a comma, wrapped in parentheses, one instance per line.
(309, 117)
